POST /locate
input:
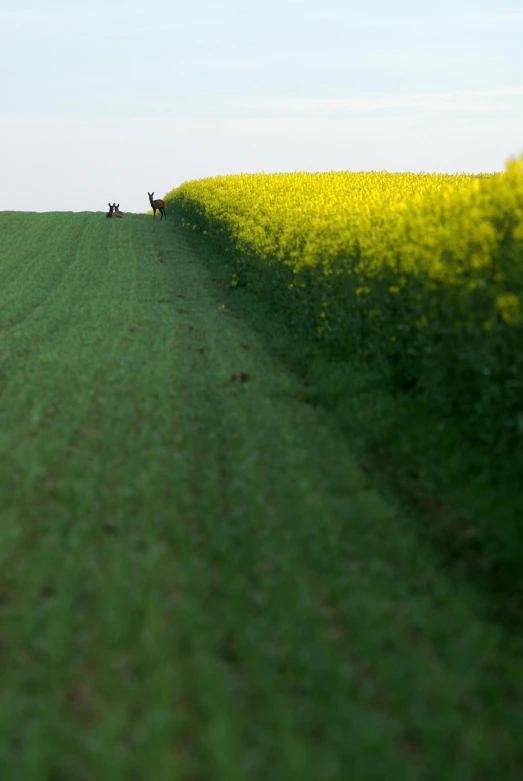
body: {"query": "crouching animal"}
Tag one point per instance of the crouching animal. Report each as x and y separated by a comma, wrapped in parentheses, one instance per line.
(114, 211)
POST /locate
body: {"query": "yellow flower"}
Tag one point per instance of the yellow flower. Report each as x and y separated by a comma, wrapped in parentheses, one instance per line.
(508, 307)
(424, 238)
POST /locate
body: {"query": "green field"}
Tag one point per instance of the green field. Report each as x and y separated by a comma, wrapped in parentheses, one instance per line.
(198, 579)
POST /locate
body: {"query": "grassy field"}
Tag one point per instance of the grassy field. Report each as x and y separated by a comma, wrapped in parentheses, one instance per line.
(197, 579)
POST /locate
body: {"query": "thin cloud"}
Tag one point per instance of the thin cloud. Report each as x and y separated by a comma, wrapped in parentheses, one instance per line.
(38, 15)
(417, 20)
(95, 24)
(473, 18)
(464, 100)
(514, 17)
(346, 16)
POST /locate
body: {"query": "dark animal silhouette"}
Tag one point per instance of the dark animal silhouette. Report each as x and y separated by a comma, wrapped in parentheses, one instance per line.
(113, 211)
(157, 205)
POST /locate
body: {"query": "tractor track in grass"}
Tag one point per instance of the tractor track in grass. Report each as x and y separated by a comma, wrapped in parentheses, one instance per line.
(196, 580)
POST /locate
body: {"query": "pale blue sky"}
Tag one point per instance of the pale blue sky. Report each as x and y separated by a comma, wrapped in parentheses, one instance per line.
(104, 101)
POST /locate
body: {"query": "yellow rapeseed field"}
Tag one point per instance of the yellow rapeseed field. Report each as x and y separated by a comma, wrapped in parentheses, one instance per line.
(425, 270)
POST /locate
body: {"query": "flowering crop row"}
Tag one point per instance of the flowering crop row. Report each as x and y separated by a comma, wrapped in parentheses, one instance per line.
(424, 271)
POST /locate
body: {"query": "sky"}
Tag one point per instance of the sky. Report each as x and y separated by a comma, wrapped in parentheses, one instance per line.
(107, 101)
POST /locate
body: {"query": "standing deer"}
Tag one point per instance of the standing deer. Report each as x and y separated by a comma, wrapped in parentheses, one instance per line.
(157, 205)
